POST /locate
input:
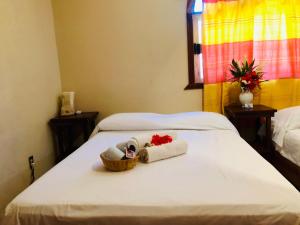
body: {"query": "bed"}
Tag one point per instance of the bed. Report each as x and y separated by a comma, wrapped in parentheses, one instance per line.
(286, 133)
(286, 139)
(220, 180)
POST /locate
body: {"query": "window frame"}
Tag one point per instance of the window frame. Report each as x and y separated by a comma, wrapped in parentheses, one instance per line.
(190, 46)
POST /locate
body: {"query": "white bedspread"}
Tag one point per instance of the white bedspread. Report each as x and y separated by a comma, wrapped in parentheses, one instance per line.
(291, 146)
(285, 120)
(221, 180)
(286, 133)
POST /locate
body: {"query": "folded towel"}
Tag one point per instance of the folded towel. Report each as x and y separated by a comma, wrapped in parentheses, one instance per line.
(155, 153)
(114, 153)
(139, 142)
(122, 146)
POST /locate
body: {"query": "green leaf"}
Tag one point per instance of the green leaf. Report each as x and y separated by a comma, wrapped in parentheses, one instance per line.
(252, 64)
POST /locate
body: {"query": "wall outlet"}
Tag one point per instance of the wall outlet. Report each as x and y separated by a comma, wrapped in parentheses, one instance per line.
(31, 166)
(31, 161)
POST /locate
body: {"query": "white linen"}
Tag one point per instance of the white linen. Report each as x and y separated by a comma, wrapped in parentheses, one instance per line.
(155, 153)
(113, 153)
(291, 146)
(284, 121)
(221, 180)
(153, 121)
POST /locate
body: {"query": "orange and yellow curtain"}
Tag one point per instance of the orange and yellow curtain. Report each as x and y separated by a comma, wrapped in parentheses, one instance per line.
(266, 30)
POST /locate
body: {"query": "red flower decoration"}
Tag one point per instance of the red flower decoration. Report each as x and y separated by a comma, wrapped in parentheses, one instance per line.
(246, 74)
(159, 140)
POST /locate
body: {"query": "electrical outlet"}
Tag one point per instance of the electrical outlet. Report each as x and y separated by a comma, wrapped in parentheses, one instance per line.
(31, 161)
(31, 166)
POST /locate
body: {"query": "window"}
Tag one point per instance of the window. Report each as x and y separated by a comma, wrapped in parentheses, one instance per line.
(194, 37)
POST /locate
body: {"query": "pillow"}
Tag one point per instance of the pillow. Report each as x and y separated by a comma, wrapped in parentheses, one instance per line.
(283, 114)
(153, 121)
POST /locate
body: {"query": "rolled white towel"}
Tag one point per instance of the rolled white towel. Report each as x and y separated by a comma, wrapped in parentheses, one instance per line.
(138, 142)
(122, 146)
(155, 153)
(114, 153)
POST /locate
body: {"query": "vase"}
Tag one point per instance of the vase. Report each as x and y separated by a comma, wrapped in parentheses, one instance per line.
(246, 99)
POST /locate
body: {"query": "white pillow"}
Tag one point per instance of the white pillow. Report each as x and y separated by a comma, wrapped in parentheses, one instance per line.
(283, 115)
(153, 121)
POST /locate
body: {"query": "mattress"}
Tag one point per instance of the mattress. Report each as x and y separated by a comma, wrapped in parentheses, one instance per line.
(291, 146)
(221, 180)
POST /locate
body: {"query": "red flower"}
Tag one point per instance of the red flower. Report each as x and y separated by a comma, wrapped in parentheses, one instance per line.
(159, 140)
(246, 74)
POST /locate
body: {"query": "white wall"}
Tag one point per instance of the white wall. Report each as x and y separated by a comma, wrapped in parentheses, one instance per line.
(29, 87)
(124, 56)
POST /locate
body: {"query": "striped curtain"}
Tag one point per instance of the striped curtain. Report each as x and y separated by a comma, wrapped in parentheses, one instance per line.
(267, 30)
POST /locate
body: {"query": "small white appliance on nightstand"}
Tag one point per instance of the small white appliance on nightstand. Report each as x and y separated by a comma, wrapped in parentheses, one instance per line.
(67, 103)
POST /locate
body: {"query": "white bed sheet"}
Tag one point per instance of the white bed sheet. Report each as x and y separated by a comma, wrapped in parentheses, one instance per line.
(285, 120)
(291, 146)
(221, 180)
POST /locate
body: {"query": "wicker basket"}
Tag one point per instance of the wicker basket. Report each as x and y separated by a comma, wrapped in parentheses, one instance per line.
(118, 165)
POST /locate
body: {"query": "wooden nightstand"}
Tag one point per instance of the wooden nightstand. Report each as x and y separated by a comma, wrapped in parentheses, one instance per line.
(70, 132)
(248, 120)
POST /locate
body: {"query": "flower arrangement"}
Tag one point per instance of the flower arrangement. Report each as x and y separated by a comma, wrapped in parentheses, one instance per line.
(246, 74)
(159, 140)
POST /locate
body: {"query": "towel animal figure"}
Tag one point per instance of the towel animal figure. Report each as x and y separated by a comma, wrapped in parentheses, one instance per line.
(155, 153)
(139, 142)
(156, 142)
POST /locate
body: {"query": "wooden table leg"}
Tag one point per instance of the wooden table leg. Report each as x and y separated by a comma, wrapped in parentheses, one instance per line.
(86, 130)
